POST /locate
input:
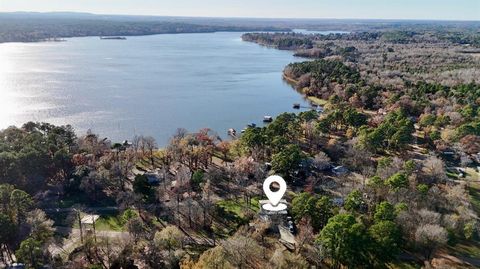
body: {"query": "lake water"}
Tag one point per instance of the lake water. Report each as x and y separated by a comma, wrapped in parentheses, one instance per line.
(148, 85)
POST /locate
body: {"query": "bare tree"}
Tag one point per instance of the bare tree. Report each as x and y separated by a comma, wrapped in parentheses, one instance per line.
(305, 235)
(430, 237)
(136, 141)
(322, 161)
(136, 228)
(243, 252)
(284, 259)
(434, 169)
(151, 146)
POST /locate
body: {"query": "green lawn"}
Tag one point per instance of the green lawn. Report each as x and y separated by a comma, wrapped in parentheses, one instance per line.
(110, 223)
(474, 191)
(107, 222)
(232, 215)
(145, 163)
(452, 175)
(236, 206)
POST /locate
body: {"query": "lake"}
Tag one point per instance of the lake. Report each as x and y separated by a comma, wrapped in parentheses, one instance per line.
(148, 85)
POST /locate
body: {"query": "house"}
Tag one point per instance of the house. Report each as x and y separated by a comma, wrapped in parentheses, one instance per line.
(88, 222)
(461, 172)
(268, 166)
(267, 118)
(304, 169)
(338, 201)
(339, 170)
(16, 266)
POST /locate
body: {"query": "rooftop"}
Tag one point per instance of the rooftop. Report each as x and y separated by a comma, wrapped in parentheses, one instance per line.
(89, 219)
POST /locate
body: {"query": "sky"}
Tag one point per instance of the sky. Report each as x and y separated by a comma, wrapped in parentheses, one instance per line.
(341, 9)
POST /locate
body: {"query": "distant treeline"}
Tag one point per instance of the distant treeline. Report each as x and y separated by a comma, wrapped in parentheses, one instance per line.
(295, 41)
(29, 27)
(283, 41)
(26, 29)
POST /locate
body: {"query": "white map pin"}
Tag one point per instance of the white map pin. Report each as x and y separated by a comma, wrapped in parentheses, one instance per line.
(274, 197)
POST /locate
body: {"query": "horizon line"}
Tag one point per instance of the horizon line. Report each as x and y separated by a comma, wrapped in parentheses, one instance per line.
(241, 17)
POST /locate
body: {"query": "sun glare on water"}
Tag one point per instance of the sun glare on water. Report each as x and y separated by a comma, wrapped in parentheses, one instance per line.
(9, 103)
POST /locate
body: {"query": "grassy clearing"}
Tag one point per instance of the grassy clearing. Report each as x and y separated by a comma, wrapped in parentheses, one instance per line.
(233, 214)
(110, 223)
(107, 222)
(472, 174)
(452, 175)
(313, 99)
(237, 206)
(146, 164)
(474, 191)
(317, 101)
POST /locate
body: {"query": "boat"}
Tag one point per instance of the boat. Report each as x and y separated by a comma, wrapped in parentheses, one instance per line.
(296, 106)
(55, 39)
(251, 125)
(113, 38)
(267, 118)
(232, 132)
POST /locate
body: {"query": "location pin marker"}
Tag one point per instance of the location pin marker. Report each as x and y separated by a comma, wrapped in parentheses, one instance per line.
(274, 197)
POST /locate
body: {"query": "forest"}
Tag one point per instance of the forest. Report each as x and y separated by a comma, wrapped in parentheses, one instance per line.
(40, 27)
(384, 175)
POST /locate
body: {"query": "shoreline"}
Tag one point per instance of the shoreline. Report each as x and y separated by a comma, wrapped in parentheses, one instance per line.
(313, 99)
(64, 38)
(120, 129)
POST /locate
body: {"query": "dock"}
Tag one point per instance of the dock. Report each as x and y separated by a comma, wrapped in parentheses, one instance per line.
(232, 132)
